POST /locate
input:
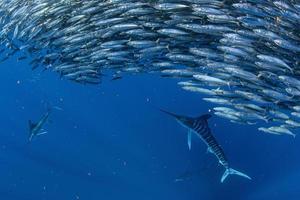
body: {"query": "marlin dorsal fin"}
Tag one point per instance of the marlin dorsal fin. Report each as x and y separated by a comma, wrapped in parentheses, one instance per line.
(169, 113)
(31, 125)
(205, 117)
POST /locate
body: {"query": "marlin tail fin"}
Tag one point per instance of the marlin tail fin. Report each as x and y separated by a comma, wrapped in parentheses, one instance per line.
(230, 171)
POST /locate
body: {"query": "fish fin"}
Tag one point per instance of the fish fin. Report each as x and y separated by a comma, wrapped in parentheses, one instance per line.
(230, 171)
(116, 78)
(42, 133)
(31, 125)
(267, 119)
(169, 113)
(57, 108)
(209, 150)
(189, 139)
(168, 48)
(228, 84)
(205, 116)
(30, 138)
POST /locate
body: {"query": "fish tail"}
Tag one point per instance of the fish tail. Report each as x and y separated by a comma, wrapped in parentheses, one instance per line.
(230, 171)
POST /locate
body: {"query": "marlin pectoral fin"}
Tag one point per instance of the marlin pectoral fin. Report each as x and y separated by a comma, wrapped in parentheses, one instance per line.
(42, 133)
(189, 139)
(209, 150)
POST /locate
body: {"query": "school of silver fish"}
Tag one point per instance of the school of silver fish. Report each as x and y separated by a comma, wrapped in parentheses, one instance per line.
(243, 55)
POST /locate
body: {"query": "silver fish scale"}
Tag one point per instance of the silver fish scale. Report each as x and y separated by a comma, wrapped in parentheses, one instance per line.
(245, 45)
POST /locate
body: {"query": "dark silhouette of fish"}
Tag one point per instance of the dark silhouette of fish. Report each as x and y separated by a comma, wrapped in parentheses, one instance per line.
(35, 129)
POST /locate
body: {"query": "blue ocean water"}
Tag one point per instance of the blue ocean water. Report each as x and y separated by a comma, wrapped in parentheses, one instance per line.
(111, 142)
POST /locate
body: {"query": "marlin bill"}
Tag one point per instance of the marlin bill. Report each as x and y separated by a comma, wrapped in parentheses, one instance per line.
(242, 56)
(198, 126)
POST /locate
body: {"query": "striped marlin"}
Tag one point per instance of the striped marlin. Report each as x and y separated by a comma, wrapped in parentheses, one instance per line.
(199, 126)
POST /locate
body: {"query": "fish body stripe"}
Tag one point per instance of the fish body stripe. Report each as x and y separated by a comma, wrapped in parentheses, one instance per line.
(202, 129)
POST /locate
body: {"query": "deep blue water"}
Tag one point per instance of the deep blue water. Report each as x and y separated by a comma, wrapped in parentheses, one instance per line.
(110, 142)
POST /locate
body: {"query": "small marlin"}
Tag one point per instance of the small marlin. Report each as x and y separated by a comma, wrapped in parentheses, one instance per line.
(36, 128)
(199, 126)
